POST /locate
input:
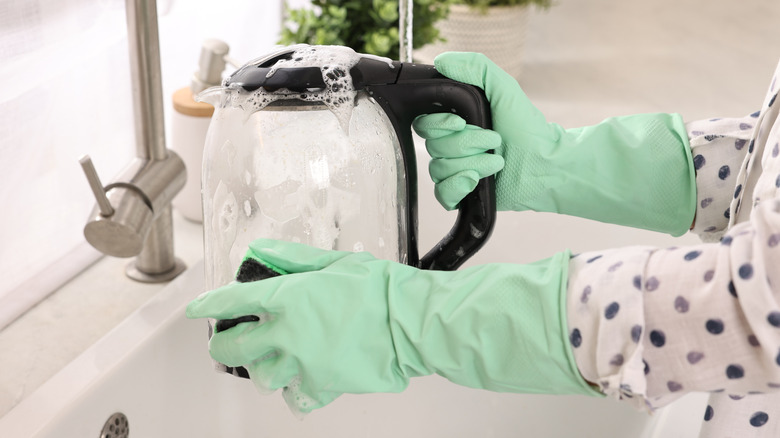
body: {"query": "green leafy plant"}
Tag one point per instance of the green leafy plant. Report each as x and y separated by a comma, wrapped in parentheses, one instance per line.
(367, 26)
(483, 5)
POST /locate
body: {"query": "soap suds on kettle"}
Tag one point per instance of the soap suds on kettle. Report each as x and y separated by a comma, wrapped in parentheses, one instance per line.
(335, 63)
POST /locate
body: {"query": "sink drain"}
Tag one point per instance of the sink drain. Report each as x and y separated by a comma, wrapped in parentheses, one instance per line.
(116, 426)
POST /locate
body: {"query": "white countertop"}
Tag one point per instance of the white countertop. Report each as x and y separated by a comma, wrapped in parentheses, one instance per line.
(46, 338)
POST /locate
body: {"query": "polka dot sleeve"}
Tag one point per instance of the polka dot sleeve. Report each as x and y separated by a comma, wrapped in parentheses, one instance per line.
(718, 147)
(730, 415)
(652, 324)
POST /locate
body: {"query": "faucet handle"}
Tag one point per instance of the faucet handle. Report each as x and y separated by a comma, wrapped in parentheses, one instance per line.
(103, 203)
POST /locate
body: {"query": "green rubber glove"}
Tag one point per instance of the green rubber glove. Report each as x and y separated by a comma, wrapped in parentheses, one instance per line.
(635, 170)
(345, 322)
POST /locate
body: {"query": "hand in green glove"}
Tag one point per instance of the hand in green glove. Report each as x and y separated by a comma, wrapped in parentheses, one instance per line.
(635, 170)
(344, 322)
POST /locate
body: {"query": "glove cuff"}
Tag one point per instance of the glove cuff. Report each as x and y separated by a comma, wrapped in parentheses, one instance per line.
(500, 327)
(635, 171)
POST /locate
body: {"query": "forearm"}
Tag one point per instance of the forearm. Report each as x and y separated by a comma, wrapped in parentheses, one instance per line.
(499, 327)
(635, 171)
(678, 307)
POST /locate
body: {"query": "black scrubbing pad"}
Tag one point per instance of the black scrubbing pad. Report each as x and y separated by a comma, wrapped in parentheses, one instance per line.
(224, 324)
(250, 270)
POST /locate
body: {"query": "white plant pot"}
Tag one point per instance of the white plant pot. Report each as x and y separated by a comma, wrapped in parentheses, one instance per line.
(499, 34)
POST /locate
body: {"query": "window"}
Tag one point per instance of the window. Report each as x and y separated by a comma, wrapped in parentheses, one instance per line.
(64, 74)
(65, 92)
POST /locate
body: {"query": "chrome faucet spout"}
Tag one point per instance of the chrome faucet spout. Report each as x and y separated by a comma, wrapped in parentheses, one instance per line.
(145, 71)
(133, 215)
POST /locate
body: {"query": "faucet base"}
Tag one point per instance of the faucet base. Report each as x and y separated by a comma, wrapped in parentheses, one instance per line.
(136, 274)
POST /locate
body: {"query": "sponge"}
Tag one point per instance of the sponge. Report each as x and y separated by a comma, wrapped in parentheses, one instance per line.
(250, 270)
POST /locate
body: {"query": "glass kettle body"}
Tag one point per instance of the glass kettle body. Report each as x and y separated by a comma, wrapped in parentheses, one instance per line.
(291, 171)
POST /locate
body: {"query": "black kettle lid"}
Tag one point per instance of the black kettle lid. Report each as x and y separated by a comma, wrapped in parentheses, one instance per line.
(298, 69)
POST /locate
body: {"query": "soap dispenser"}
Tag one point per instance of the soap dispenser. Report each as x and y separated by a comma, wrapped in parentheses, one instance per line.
(190, 121)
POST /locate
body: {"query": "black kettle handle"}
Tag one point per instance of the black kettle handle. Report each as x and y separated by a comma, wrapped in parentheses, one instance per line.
(420, 89)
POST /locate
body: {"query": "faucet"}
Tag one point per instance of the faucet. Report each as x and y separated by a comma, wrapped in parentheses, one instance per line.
(133, 215)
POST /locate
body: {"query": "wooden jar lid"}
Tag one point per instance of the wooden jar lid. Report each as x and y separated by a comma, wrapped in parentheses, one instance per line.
(184, 103)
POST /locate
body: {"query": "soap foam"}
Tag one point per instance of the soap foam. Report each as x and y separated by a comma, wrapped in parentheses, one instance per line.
(339, 93)
(299, 402)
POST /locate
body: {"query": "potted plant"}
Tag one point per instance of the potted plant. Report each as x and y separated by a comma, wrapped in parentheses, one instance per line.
(494, 27)
(483, 5)
(367, 26)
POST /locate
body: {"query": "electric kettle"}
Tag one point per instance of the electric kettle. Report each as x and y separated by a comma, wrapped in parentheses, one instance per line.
(313, 144)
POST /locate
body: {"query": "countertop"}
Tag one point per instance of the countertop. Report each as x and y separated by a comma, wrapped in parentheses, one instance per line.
(57, 330)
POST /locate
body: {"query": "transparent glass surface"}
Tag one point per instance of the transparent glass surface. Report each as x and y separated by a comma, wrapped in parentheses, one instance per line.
(293, 173)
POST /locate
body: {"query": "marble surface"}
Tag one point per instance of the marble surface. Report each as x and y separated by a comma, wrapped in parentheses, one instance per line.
(584, 61)
(53, 333)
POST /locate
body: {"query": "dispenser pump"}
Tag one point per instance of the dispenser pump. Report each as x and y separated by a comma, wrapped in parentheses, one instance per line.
(213, 58)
